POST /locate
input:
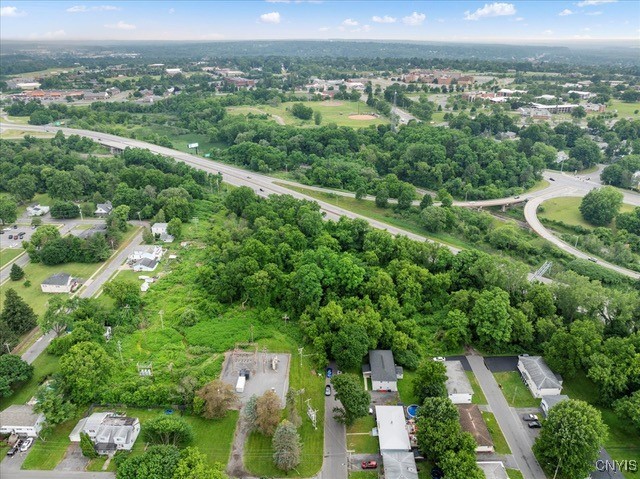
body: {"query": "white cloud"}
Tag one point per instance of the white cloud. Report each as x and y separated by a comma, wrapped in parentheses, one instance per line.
(415, 19)
(591, 3)
(594, 13)
(95, 8)
(582, 37)
(11, 12)
(324, 29)
(350, 23)
(273, 17)
(212, 36)
(172, 11)
(385, 19)
(491, 10)
(548, 32)
(565, 12)
(120, 26)
(519, 19)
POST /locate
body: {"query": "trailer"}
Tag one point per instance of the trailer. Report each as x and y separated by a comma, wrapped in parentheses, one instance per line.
(240, 384)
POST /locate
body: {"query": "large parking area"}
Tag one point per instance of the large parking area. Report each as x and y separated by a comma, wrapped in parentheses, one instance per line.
(10, 235)
(262, 375)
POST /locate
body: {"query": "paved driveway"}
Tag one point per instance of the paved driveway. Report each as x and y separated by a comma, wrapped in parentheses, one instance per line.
(512, 426)
(499, 364)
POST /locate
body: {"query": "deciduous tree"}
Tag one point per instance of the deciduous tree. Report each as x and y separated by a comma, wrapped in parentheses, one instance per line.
(84, 370)
(157, 462)
(193, 464)
(355, 400)
(429, 380)
(168, 430)
(13, 370)
(601, 205)
(8, 210)
(218, 398)
(268, 408)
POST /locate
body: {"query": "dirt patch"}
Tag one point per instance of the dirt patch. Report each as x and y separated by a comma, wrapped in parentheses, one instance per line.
(362, 117)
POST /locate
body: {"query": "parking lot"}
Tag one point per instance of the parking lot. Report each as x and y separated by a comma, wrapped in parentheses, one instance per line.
(14, 241)
(262, 376)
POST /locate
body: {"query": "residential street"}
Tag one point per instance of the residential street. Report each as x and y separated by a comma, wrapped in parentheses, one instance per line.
(335, 462)
(512, 427)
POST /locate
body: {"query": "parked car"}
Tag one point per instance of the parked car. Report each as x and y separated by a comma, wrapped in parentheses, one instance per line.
(592, 259)
(15, 227)
(369, 464)
(440, 359)
(1, 232)
(535, 424)
(329, 372)
(327, 390)
(517, 197)
(12, 451)
(551, 179)
(10, 236)
(529, 417)
(26, 445)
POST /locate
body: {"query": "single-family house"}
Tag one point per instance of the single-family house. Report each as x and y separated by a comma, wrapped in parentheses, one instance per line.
(382, 370)
(458, 385)
(108, 431)
(493, 469)
(148, 252)
(103, 209)
(395, 445)
(159, 230)
(22, 420)
(146, 264)
(472, 422)
(57, 283)
(538, 376)
(551, 400)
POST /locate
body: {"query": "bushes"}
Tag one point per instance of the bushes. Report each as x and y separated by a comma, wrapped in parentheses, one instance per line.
(300, 111)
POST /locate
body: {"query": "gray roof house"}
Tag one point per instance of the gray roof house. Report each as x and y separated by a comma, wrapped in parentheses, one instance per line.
(108, 431)
(103, 209)
(382, 370)
(540, 379)
(458, 385)
(551, 400)
(57, 283)
(146, 264)
(22, 420)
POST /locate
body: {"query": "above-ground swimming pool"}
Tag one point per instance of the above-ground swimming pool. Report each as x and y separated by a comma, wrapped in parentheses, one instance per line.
(412, 410)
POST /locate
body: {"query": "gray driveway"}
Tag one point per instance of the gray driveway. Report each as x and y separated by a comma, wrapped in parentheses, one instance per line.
(512, 428)
(335, 462)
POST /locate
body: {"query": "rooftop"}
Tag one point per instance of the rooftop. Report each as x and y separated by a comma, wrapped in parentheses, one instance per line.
(19, 415)
(399, 465)
(472, 422)
(392, 430)
(541, 375)
(457, 380)
(383, 367)
(493, 469)
(58, 279)
(553, 399)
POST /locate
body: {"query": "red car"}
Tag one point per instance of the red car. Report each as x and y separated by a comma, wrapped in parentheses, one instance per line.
(369, 464)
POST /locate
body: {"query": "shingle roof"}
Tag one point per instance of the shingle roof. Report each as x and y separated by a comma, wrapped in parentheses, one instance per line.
(399, 465)
(471, 421)
(382, 366)
(541, 375)
(19, 415)
(553, 399)
(58, 279)
(493, 469)
(457, 380)
(148, 262)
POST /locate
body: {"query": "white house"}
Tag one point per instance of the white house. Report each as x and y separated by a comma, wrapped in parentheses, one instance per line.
(159, 230)
(57, 283)
(382, 370)
(37, 210)
(22, 420)
(148, 252)
(549, 401)
(146, 264)
(538, 376)
(103, 209)
(108, 431)
(395, 445)
(458, 385)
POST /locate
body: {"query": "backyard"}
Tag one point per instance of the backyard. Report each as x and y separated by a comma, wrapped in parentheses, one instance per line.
(515, 391)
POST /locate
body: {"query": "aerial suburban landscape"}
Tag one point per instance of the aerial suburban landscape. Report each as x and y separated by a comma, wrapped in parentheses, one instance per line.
(320, 239)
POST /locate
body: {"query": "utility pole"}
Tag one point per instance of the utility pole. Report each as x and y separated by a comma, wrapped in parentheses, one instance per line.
(6, 345)
(161, 313)
(577, 238)
(120, 352)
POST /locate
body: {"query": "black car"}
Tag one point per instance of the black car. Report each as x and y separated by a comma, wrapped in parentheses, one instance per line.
(437, 473)
(534, 424)
(12, 451)
(15, 227)
(552, 179)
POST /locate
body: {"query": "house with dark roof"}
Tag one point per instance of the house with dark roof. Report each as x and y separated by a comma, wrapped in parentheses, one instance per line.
(108, 431)
(382, 370)
(103, 209)
(146, 264)
(540, 379)
(22, 420)
(58, 283)
(472, 422)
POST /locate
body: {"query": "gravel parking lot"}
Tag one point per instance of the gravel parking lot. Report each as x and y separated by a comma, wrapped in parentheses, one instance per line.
(262, 376)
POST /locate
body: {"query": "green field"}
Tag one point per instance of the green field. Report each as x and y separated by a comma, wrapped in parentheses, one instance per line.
(405, 388)
(9, 254)
(623, 441)
(363, 475)
(478, 395)
(499, 442)
(540, 185)
(515, 391)
(565, 209)
(514, 474)
(15, 133)
(337, 112)
(624, 109)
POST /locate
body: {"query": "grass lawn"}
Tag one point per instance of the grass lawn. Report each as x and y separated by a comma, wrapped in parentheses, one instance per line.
(363, 475)
(95, 465)
(9, 254)
(364, 424)
(623, 441)
(46, 454)
(499, 442)
(362, 443)
(44, 365)
(515, 391)
(23, 120)
(40, 198)
(565, 209)
(258, 452)
(405, 388)
(370, 210)
(337, 112)
(38, 272)
(624, 109)
(514, 474)
(540, 185)
(11, 134)
(180, 142)
(478, 395)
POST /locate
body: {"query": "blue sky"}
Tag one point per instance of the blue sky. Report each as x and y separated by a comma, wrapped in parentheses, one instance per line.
(462, 21)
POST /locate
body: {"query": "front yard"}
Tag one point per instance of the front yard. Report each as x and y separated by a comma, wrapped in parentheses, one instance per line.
(515, 391)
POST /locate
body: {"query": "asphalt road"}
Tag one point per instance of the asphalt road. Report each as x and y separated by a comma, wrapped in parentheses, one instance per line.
(512, 427)
(335, 463)
(20, 474)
